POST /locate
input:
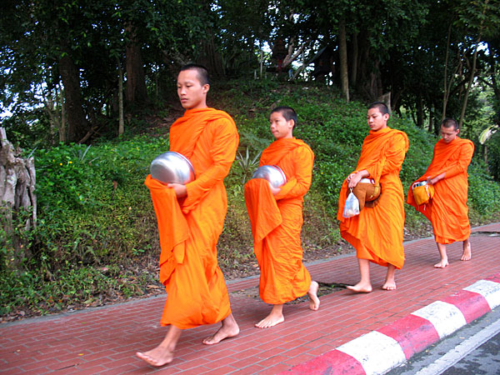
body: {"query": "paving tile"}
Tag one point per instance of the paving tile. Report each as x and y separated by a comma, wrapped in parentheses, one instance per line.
(109, 337)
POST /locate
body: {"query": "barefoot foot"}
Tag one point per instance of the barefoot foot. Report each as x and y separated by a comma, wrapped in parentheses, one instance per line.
(442, 264)
(467, 254)
(270, 321)
(360, 288)
(157, 357)
(313, 296)
(229, 329)
(389, 285)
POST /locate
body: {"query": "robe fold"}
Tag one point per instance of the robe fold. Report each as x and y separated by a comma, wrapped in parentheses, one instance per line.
(377, 232)
(277, 222)
(447, 210)
(190, 228)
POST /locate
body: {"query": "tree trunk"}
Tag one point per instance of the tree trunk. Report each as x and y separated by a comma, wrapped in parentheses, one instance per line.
(17, 202)
(354, 59)
(121, 120)
(136, 79)
(420, 112)
(446, 93)
(77, 123)
(212, 59)
(62, 129)
(431, 118)
(344, 77)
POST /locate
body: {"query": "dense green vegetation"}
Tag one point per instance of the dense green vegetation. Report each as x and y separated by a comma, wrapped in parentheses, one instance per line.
(96, 234)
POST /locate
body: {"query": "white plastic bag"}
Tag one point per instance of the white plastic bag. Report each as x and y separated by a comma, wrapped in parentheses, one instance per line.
(351, 207)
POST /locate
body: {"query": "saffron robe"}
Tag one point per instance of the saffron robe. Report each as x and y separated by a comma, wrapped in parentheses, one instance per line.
(447, 210)
(377, 232)
(189, 228)
(276, 222)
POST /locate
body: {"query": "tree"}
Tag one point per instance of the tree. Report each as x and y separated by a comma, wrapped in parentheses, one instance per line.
(75, 48)
(481, 18)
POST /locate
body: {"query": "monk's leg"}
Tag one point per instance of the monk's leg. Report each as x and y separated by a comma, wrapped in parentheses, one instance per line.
(467, 254)
(364, 285)
(275, 317)
(228, 329)
(390, 279)
(163, 353)
(313, 296)
(444, 256)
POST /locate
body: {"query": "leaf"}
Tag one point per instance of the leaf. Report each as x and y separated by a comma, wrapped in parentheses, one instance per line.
(487, 133)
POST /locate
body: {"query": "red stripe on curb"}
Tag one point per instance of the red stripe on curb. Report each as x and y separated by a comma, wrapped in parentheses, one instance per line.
(334, 362)
(472, 305)
(495, 278)
(412, 333)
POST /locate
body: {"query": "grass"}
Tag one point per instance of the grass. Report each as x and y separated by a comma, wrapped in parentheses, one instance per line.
(97, 239)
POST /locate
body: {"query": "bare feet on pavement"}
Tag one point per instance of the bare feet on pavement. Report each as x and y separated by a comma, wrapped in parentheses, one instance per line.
(270, 321)
(360, 288)
(157, 357)
(389, 285)
(313, 296)
(467, 254)
(229, 329)
(274, 318)
(442, 264)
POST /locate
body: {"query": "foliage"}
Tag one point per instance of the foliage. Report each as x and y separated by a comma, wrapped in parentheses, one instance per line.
(53, 292)
(74, 182)
(94, 209)
(484, 193)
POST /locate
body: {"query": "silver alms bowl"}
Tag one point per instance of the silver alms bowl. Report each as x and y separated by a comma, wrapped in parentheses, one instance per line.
(172, 168)
(271, 173)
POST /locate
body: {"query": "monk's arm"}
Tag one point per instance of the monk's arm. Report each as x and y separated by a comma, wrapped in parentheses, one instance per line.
(223, 152)
(459, 167)
(299, 184)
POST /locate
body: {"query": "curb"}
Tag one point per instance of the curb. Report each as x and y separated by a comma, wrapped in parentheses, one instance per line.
(378, 352)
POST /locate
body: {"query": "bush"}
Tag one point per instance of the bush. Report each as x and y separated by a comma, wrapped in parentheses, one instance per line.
(484, 193)
(75, 182)
(94, 209)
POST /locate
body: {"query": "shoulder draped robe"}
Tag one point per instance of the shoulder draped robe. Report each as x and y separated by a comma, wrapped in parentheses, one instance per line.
(377, 232)
(190, 228)
(447, 210)
(277, 222)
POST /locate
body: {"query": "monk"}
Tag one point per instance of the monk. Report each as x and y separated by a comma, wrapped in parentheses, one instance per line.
(276, 219)
(377, 232)
(447, 210)
(191, 217)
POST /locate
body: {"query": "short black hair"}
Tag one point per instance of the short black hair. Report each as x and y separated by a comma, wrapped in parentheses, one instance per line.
(450, 123)
(287, 112)
(202, 72)
(382, 107)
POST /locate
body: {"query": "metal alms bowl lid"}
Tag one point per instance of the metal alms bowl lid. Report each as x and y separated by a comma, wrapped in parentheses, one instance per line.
(271, 173)
(420, 183)
(172, 167)
(367, 181)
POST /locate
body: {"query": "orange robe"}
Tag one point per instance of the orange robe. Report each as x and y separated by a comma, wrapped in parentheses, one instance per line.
(277, 222)
(377, 232)
(190, 228)
(447, 210)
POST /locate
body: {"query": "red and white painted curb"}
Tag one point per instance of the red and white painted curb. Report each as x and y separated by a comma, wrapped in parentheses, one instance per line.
(380, 351)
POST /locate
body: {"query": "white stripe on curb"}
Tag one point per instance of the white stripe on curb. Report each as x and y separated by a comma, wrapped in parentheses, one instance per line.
(378, 353)
(489, 290)
(375, 351)
(445, 317)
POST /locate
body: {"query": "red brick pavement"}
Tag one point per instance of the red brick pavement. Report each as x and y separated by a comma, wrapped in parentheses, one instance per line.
(104, 340)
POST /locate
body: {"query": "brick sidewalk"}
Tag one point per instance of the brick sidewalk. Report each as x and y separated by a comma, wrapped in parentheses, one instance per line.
(104, 340)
